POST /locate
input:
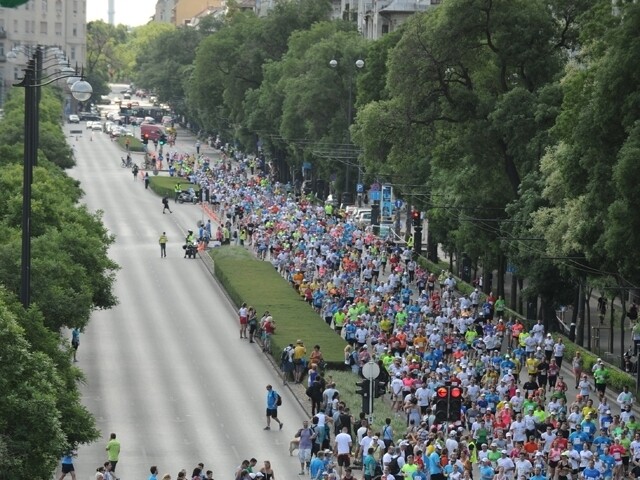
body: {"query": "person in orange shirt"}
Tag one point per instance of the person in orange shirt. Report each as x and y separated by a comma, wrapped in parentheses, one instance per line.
(420, 342)
(516, 329)
(531, 447)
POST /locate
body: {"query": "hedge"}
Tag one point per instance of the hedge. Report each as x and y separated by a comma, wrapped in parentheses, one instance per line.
(163, 185)
(247, 279)
(617, 377)
(135, 145)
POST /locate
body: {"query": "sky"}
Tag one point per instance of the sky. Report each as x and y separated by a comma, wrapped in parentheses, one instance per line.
(129, 12)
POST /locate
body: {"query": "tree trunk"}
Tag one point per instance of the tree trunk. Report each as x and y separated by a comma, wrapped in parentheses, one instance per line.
(520, 288)
(581, 323)
(547, 312)
(513, 300)
(586, 306)
(501, 269)
(575, 316)
(623, 333)
(623, 314)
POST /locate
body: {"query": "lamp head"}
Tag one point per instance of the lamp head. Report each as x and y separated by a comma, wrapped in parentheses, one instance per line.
(81, 90)
(333, 63)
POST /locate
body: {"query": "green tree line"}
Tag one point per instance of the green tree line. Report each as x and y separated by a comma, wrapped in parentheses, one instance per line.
(513, 124)
(41, 415)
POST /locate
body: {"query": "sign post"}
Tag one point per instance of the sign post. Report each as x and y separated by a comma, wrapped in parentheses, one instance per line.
(371, 371)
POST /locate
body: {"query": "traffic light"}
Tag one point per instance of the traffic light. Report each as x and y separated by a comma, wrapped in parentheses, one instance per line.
(363, 388)
(442, 404)
(145, 138)
(455, 404)
(380, 389)
(163, 139)
(415, 218)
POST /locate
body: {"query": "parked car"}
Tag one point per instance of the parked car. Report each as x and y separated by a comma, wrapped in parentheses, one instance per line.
(73, 118)
(89, 125)
(96, 127)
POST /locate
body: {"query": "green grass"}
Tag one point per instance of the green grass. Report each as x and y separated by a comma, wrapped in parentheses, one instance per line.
(346, 385)
(135, 145)
(164, 185)
(247, 279)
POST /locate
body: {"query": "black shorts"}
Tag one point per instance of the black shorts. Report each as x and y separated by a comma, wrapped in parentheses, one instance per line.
(601, 387)
(344, 460)
(625, 461)
(272, 412)
(68, 468)
(553, 463)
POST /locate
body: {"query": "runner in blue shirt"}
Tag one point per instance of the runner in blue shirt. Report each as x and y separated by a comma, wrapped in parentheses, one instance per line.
(602, 441)
(578, 438)
(272, 407)
(591, 472)
(609, 462)
(486, 470)
(435, 470)
(67, 466)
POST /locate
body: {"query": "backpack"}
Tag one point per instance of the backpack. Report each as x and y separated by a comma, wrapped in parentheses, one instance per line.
(278, 399)
(352, 358)
(284, 357)
(394, 468)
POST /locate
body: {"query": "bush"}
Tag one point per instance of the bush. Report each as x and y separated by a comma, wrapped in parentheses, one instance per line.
(164, 186)
(617, 378)
(247, 279)
(135, 145)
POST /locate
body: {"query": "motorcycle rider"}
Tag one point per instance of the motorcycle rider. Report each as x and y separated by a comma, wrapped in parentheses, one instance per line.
(190, 243)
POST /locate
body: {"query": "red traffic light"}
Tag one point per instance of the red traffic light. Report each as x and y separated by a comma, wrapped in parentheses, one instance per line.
(442, 392)
(456, 392)
(415, 214)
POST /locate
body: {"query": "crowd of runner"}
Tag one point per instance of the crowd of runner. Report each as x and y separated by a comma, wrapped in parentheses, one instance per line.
(518, 420)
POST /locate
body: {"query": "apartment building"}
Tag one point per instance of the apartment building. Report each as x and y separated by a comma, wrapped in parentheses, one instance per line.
(59, 23)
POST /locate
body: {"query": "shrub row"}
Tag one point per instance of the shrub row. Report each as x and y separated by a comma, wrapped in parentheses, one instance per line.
(247, 279)
(135, 145)
(164, 185)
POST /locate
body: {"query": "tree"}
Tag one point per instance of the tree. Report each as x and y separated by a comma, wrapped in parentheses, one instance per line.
(165, 62)
(32, 438)
(104, 55)
(469, 96)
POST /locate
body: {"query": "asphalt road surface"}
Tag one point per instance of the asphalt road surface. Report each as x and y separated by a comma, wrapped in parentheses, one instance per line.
(166, 369)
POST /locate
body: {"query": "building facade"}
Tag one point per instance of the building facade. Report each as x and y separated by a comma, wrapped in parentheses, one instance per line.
(59, 23)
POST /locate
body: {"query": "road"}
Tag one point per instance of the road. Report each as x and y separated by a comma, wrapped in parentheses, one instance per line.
(166, 369)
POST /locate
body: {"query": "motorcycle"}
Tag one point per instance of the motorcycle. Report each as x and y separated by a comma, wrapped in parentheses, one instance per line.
(126, 162)
(190, 250)
(629, 365)
(187, 197)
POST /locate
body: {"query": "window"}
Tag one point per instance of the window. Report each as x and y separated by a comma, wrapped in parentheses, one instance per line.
(43, 28)
(45, 5)
(33, 26)
(72, 53)
(2, 49)
(59, 7)
(15, 27)
(58, 28)
(74, 30)
(75, 6)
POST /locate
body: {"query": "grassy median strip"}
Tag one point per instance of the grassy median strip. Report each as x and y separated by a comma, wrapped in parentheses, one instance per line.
(247, 279)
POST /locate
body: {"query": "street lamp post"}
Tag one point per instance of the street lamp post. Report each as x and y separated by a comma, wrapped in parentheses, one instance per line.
(359, 64)
(32, 82)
